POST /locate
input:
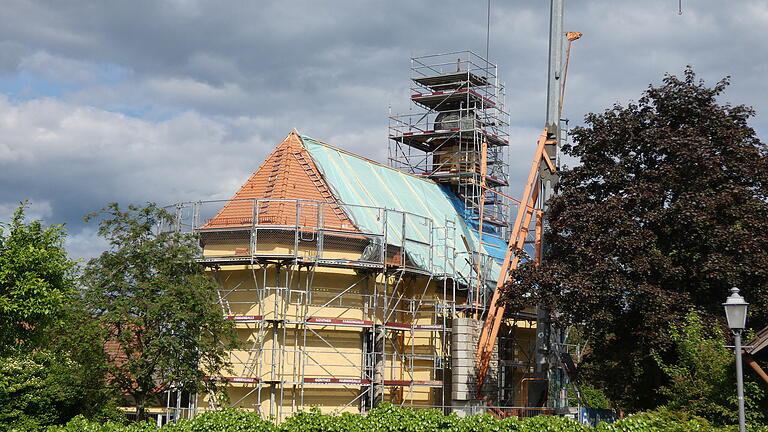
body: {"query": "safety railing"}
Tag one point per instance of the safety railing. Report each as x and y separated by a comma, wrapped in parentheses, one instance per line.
(328, 233)
(460, 120)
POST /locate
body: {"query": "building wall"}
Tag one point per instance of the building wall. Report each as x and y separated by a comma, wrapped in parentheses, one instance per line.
(339, 338)
(301, 323)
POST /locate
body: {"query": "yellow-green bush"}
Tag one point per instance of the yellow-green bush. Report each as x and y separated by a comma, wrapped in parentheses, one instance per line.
(388, 418)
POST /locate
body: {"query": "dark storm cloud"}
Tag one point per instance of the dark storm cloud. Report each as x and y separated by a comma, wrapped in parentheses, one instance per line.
(177, 100)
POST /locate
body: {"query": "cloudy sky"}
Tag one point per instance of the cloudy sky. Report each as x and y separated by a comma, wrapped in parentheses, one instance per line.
(179, 100)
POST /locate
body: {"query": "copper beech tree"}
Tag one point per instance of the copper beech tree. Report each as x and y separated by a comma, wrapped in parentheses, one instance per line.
(664, 213)
(160, 322)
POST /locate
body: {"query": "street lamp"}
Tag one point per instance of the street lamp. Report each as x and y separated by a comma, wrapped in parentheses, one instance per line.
(736, 314)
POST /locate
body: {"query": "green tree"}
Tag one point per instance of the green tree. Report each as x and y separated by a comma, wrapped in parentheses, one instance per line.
(77, 341)
(702, 375)
(36, 280)
(43, 380)
(161, 324)
(666, 211)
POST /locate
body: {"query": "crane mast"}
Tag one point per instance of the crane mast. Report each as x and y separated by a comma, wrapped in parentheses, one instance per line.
(542, 179)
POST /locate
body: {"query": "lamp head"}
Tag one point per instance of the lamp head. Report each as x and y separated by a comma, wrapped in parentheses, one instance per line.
(736, 310)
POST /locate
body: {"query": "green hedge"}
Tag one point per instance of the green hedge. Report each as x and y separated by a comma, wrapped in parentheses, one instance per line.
(388, 418)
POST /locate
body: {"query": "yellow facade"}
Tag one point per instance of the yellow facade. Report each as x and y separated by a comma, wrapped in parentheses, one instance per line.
(341, 338)
(339, 320)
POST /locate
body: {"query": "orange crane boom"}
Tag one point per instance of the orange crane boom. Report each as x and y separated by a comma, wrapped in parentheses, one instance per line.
(525, 211)
(542, 164)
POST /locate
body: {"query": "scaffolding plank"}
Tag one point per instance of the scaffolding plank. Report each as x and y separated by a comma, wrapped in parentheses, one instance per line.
(451, 80)
(413, 383)
(339, 322)
(343, 381)
(234, 380)
(429, 140)
(244, 318)
(403, 326)
(490, 180)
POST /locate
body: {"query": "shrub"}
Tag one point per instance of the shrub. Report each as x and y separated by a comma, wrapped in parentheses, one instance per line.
(230, 420)
(36, 391)
(702, 375)
(594, 397)
(388, 418)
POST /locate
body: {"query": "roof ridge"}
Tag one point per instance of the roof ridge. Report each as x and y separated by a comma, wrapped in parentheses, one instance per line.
(371, 161)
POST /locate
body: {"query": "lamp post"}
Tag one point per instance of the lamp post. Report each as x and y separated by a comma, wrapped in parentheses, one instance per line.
(736, 314)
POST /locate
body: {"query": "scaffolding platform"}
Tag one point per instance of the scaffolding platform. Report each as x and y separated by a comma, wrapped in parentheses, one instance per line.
(457, 175)
(234, 379)
(244, 318)
(430, 140)
(339, 322)
(451, 80)
(414, 327)
(338, 381)
(452, 99)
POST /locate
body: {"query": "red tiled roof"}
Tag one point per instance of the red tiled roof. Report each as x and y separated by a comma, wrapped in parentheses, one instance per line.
(287, 173)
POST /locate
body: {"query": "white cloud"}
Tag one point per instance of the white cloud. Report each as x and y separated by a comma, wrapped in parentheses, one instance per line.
(85, 244)
(82, 157)
(193, 92)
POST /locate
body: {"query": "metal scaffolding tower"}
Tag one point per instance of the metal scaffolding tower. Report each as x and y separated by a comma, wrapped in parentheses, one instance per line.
(455, 133)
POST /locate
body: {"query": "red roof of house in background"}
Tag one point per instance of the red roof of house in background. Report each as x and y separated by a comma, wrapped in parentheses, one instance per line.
(288, 173)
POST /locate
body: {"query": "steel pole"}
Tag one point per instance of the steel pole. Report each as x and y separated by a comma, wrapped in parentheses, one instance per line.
(555, 65)
(545, 357)
(739, 380)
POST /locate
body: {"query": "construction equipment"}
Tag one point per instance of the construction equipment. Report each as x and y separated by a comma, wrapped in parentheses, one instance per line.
(539, 187)
(525, 212)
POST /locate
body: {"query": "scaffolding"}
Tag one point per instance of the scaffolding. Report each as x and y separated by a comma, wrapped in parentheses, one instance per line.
(343, 317)
(456, 132)
(321, 306)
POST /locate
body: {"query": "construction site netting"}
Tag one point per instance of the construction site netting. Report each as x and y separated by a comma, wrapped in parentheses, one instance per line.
(366, 185)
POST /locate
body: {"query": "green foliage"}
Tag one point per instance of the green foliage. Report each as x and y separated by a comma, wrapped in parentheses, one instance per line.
(42, 380)
(594, 397)
(77, 337)
(154, 306)
(702, 375)
(666, 211)
(387, 418)
(230, 420)
(658, 421)
(664, 420)
(36, 390)
(36, 278)
(43, 388)
(81, 424)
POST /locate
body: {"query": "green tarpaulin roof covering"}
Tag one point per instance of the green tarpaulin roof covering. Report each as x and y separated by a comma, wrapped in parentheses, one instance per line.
(430, 218)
